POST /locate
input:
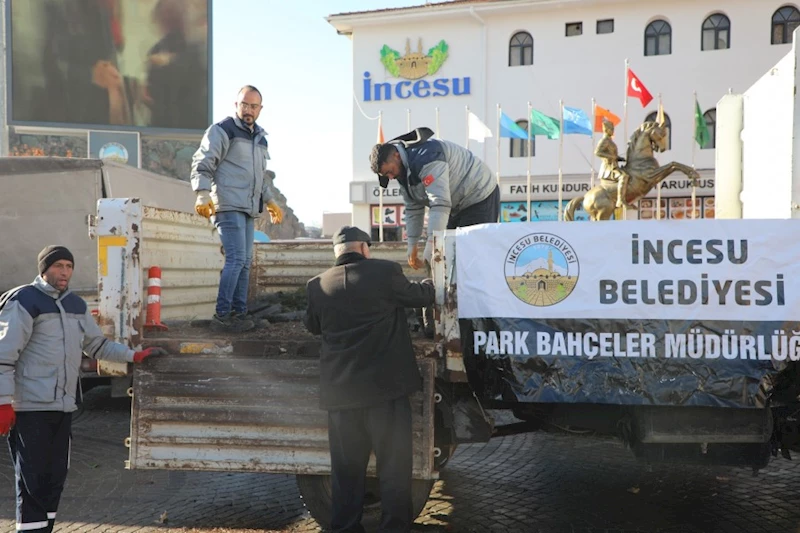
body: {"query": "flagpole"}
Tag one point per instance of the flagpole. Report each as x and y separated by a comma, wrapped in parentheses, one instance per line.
(438, 135)
(658, 188)
(560, 159)
(467, 117)
(694, 148)
(530, 146)
(594, 122)
(380, 189)
(498, 144)
(625, 105)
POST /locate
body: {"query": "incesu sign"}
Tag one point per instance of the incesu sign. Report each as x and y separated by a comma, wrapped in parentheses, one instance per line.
(413, 66)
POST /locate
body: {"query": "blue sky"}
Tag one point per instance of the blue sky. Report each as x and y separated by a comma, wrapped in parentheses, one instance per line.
(302, 67)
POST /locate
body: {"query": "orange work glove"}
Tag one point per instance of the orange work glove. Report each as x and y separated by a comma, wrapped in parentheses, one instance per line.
(204, 204)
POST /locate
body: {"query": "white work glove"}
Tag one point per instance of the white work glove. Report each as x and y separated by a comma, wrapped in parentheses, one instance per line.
(204, 204)
(427, 254)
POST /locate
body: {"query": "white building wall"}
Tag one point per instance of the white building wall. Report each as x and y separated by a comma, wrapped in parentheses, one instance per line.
(574, 69)
(767, 139)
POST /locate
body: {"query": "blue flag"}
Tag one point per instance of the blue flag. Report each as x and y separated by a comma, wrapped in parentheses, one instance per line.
(576, 122)
(509, 128)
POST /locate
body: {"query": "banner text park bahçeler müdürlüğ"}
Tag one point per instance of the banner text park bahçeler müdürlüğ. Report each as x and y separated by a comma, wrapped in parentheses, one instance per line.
(637, 313)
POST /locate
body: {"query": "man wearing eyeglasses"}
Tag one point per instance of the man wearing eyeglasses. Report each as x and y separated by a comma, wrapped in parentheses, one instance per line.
(228, 175)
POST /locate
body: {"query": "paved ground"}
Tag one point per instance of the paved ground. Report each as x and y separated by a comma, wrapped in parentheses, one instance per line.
(525, 483)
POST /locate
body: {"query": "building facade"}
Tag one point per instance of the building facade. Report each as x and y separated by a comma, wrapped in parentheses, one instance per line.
(433, 64)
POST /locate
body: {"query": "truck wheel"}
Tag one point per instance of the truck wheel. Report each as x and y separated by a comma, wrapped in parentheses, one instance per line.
(316, 493)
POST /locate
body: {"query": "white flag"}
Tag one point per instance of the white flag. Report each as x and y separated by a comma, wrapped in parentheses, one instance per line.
(477, 130)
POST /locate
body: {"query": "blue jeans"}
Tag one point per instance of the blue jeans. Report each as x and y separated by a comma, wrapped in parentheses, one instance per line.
(236, 233)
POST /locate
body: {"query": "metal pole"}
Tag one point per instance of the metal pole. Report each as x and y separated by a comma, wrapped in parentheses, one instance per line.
(497, 144)
(560, 159)
(694, 149)
(625, 130)
(438, 134)
(530, 156)
(625, 105)
(658, 188)
(380, 189)
(4, 129)
(408, 119)
(594, 121)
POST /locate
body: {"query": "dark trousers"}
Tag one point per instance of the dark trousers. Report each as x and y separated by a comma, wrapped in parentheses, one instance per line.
(40, 443)
(484, 212)
(353, 433)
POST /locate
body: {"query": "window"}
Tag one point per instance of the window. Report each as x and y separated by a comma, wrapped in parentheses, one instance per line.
(605, 26)
(658, 38)
(716, 33)
(520, 49)
(574, 29)
(652, 117)
(519, 147)
(711, 123)
(784, 22)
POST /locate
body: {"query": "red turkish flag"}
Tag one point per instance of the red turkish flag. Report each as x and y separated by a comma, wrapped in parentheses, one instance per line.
(636, 89)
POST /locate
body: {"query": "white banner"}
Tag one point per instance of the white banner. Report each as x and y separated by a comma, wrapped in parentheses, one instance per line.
(745, 270)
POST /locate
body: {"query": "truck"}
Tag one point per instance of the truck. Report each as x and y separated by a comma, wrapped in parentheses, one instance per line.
(249, 402)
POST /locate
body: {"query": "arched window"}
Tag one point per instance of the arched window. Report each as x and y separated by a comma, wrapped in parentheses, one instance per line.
(653, 117)
(520, 49)
(658, 38)
(711, 123)
(716, 32)
(784, 22)
(519, 147)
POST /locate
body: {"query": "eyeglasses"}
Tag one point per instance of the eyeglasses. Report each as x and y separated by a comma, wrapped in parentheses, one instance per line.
(253, 107)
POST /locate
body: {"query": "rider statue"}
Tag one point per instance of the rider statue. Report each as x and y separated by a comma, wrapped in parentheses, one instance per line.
(610, 170)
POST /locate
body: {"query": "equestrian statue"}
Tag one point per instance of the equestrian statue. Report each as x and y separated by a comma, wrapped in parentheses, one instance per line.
(625, 185)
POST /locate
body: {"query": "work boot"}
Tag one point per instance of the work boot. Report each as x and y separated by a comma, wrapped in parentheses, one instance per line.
(242, 317)
(231, 323)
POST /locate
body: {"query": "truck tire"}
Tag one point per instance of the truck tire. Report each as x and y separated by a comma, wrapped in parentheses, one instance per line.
(316, 493)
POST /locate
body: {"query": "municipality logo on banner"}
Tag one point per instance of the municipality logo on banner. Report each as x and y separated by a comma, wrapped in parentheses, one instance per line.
(743, 270)
(541, 269)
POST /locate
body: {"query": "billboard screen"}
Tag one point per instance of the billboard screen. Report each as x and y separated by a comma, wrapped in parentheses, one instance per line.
(107, 63)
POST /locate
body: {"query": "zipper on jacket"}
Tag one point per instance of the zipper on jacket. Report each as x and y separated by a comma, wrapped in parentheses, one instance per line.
(63, 315)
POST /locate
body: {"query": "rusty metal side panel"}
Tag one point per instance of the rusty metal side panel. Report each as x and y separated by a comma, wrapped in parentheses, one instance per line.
(282, 266)
(447, 329)
(117, 233)
(245, 412)
(188, 250)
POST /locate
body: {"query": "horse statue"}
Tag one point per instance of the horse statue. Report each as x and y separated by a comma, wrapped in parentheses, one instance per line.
(643, 169)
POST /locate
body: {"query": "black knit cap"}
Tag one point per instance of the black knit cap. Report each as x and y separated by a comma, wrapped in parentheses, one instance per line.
(51, 254)
(347, 234)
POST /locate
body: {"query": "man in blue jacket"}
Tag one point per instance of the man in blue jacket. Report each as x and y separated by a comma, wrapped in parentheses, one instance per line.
(228, 175)
(44, 330)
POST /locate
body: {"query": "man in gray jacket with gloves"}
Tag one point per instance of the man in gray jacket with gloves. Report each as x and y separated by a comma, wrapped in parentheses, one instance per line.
(228, 175)
(44, 329)
(457, 187)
